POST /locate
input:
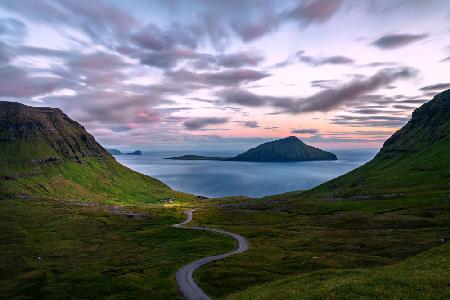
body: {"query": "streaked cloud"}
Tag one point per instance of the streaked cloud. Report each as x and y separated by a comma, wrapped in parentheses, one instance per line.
(199, 123)
(308, 131)
(398, 40)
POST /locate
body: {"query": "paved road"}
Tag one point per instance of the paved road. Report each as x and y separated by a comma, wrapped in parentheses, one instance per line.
(185, 279)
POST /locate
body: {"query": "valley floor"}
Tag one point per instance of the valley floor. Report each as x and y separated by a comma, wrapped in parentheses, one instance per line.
(302, 248)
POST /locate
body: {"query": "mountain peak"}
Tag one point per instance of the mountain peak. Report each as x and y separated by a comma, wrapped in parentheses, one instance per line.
(287, 149)
(43, 133)
(291, 138)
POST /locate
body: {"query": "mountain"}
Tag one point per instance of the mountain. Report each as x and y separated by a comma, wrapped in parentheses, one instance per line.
(416, 158)
(45, 153)
(287, 149)
(282, 150)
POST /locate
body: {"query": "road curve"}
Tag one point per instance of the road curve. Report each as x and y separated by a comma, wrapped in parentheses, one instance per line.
(184, 275)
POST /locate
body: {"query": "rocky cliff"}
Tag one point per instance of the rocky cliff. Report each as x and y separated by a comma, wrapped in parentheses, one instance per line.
(43, 133)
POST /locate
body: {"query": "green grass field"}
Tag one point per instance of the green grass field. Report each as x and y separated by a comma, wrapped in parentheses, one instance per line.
(425, 276)
(293, 237)
(55, 249)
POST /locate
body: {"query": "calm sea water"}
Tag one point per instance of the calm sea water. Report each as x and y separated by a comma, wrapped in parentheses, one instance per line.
(229, 178)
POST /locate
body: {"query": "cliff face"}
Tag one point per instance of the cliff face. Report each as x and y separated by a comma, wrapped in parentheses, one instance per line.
(287, 149)
(42, 133)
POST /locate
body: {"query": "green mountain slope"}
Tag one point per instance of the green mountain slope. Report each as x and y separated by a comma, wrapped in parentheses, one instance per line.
(415, 159)
(287, 149)
(45, 153)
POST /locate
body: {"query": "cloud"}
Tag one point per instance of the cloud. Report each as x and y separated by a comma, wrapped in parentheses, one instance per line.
(436, 87)
(303, 131)
(199, 123)
(370, 121)
(168, 58)
(318, 11)
(239, 59)
(17, 83)
(326, 99)
(319, 61)
(220, 78)
(304, 14)
(300, 56)
(323, 84)
(249, 124)
(246, 98)
(230, 60)
(12, 30)
(447, 59)
(154, 38)
(102, 22)
(393, 41)
(368, 111)
(332, 98)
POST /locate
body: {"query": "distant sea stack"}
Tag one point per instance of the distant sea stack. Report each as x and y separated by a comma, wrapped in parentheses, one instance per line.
(137, 152)
(284, 150)
(114, 151)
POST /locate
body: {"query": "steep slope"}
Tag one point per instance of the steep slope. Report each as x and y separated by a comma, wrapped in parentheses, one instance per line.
(287, 149)
(415, 159)
(45, 153)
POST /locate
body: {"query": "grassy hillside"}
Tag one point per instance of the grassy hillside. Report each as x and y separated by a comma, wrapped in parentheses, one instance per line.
(425, 276)
(43, 153)
(415, 159)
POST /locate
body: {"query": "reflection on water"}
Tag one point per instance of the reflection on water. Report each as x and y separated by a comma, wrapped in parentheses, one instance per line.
(229, 178)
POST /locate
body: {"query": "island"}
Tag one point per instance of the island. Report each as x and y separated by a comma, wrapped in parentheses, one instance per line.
(114, 151)
(283, 150)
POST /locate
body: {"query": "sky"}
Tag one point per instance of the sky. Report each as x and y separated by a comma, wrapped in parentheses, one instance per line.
(227, 74)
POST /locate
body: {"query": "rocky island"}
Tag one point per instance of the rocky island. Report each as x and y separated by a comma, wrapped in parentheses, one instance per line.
(282, 150)
(114, 151)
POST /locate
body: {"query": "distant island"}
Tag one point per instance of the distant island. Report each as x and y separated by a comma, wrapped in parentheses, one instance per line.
(283, 150)
(114, 151)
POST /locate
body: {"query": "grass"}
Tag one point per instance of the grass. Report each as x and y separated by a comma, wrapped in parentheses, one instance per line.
(425, 276)
(293, 237)
(70, 249)
(99, 179)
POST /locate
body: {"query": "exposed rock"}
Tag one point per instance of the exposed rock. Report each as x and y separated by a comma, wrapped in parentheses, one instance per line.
(45, 133)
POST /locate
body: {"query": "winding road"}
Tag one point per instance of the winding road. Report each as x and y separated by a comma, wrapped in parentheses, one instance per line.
(184, 275)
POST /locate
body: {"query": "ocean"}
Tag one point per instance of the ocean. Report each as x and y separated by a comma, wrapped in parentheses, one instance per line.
(230, 178)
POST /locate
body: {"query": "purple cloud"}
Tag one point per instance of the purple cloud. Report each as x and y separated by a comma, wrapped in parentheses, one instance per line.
(199, 123)
(436, 87)
(393, 41)
(332, 98)
(303, 131)
(17, 83)
(221, 78)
